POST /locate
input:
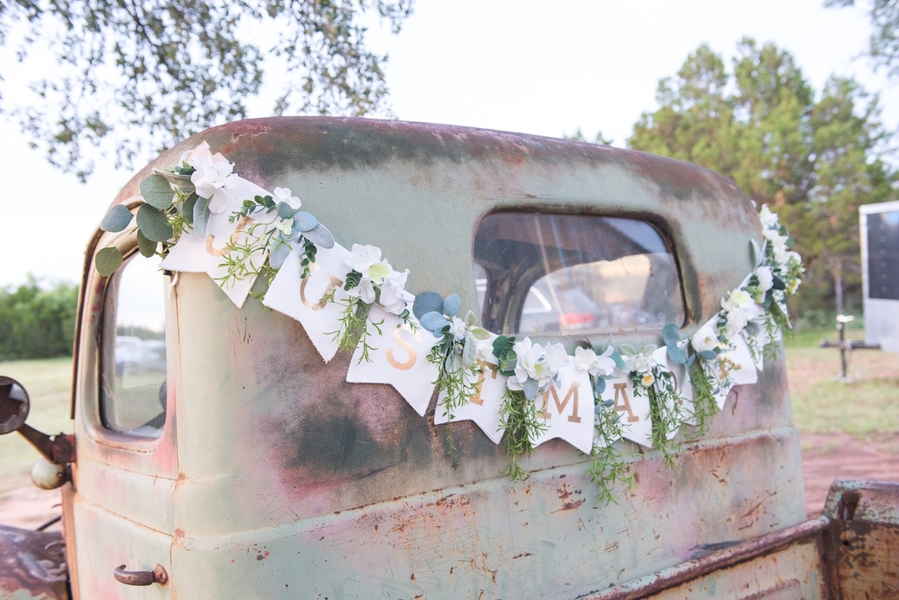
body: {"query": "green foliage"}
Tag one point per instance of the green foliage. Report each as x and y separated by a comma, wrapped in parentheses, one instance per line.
(36, 322)
(108, 260)
(522, 426)
(813, 158)
(140, 76)
(884, 40)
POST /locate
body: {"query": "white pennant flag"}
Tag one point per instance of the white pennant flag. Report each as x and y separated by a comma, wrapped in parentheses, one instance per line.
(193, 254)
(483, 409)
(682, 384)
(399, 356)
(567, 410)
(636, 425)
(307, 300)
(743, 371)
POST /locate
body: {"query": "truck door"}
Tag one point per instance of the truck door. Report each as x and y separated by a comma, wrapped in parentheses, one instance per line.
(126, 467)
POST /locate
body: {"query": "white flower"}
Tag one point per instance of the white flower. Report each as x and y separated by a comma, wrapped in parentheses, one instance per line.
(367, 261)
(586, 359)
(765, 277)
(736, 300)
(394, 296)
(283, 195)
(458, 329)
(768, 218)
(705, 340)
(485, 350)
(648, 379)
(198, 153)
(793, 285)
(285, 226)
(641, 362)
(538, 363)
(210, 179)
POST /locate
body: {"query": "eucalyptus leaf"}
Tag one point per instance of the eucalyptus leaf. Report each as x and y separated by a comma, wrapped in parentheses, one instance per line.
(707, 355)
(201, 216)
(671, 334)
(427, 302)
(470, 319)
(153, 224)
(320, 236)
(278, 255)
(691, 360)
(599, 385)
(530, 388)
(469, 350)
(778, 283)
(433, 321)
(480, 333)
(305, 221)
(179, 180)
(187, 209)
(285, 210)
(157, 192)
(451, 305)
(619, 362)
(117, 219)
(608, 403)
(627, 350)
(677, 355)
(108, 260)
(146, 247)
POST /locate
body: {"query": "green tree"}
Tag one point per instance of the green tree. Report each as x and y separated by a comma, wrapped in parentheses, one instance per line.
(883, 45)
(37, 323)
(138, 76)
(813, 160)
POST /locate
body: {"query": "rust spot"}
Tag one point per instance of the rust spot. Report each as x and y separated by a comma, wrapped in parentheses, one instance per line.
(522, 555)
(570, 506)
(413, 577)
(179, 533)
(259, 557)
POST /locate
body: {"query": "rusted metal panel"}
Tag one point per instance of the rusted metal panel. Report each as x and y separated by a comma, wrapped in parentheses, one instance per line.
(863, 543)
(32, 565)
(767, 566)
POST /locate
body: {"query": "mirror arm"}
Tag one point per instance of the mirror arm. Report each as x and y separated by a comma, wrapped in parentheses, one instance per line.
(58, 449)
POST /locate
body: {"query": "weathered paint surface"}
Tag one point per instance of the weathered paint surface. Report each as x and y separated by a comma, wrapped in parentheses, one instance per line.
(275, 478)
(32, 565)
(863, 542)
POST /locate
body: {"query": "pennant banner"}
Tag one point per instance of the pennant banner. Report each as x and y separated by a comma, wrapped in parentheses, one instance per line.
(484, 408)
(567, 409)
(240, 220)
(399, 357)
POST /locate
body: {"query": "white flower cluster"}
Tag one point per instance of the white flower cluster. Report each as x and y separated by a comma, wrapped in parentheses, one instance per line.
(785, 259)
(601, 365)
(213, 178)
(536, 363)
(377, 274)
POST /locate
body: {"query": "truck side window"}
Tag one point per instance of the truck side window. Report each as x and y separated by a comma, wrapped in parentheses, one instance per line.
(133, 370)
(569, 274)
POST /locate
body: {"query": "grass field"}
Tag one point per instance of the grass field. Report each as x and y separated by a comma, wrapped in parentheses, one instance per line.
(48, 383)
(868, 404)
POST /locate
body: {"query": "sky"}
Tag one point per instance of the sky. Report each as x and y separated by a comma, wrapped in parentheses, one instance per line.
(513, 65)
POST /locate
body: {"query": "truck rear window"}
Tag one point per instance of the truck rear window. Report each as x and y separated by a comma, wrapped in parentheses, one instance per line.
(569, 274)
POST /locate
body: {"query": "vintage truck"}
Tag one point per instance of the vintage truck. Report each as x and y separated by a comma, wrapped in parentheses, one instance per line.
(216, 455)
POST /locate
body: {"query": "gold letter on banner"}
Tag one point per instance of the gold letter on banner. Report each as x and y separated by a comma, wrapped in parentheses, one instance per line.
(405, 346)
(621, 390)
(560, 406)
(241, 225)
(333, 284)
(476, 399)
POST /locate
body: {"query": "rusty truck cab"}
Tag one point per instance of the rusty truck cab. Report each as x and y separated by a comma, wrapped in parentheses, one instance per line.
(216, 447)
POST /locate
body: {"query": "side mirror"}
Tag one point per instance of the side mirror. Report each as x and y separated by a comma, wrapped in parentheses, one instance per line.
(14, 405)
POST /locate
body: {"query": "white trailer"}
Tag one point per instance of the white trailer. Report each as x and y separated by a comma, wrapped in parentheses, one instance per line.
(880, 273)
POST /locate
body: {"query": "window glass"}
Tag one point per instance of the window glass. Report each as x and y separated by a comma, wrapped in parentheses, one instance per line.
(133, 374)
(546, 274)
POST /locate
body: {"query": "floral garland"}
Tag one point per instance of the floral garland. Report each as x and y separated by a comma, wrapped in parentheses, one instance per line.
(202, 197)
